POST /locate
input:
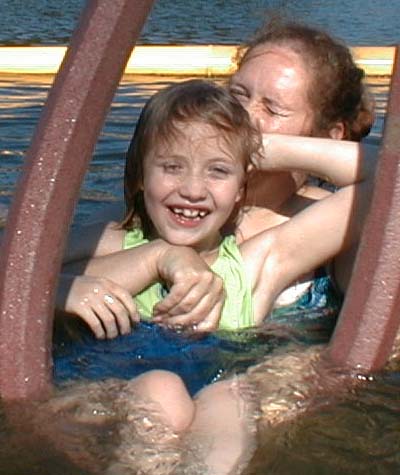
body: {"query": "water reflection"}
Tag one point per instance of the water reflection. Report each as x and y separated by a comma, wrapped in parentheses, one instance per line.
(359, 22)
(355, 435)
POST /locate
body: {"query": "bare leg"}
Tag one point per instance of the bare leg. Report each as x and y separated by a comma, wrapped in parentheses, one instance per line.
(216, 430)
(168, 392)
(157, 410)
(224, 426)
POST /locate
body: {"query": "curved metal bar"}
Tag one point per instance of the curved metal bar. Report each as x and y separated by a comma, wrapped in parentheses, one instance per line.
(370, 317)
(47, 193)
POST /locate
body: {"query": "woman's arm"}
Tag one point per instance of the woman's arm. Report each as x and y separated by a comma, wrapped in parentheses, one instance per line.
(339, 162)
(277, 257)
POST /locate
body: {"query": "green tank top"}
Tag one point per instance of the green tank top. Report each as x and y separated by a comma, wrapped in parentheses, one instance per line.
(238, 308)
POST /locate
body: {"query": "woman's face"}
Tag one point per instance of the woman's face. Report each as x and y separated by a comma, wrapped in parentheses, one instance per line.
(272, 84)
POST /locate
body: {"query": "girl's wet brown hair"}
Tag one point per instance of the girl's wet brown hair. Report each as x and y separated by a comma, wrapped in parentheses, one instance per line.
(337, 92)
(161, 122)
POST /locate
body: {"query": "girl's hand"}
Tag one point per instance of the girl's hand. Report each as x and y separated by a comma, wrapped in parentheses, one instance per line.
(196, 296)
(107, 308)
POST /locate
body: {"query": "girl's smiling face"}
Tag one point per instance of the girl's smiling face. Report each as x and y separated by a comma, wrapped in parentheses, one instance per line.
(191, 186)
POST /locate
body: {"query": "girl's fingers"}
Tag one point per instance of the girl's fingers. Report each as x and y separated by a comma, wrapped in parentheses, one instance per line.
(181, 299)
(211, 322)
(126, 300)
(107, 308)
(188, 297)
(119, 313)
(204, 316)
(107, 319)
(91, 319)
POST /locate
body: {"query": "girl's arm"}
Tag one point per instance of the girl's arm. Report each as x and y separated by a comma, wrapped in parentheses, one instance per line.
(277, 257)
(196, 293)
(339, 162)
(100, 295)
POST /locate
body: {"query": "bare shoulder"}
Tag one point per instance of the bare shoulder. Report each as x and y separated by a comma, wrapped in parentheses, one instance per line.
(255, 220)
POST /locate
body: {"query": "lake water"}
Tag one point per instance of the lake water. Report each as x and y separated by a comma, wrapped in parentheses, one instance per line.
(358, 22)
(358, 436)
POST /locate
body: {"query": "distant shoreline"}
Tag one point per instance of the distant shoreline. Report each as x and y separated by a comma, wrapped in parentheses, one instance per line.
(174, 60)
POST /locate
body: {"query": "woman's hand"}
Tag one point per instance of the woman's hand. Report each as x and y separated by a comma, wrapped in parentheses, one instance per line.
(196, 296)
(107, 308)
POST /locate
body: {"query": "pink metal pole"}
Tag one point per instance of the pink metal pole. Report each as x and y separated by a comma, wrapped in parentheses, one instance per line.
(370, 317)
(47, 192)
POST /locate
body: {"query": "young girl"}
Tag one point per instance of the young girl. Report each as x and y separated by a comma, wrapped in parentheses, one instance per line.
(184, 191)
(185, 179)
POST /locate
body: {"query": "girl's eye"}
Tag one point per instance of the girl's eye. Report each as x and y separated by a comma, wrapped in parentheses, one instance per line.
(171, 167)
(219, 171)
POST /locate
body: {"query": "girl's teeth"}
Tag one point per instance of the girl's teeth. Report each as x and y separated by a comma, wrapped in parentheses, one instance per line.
(190, 213)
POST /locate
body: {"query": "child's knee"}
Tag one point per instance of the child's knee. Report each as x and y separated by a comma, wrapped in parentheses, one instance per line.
(169, 392)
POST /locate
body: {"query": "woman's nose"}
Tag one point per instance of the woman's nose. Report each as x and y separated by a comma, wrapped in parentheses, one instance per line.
(254, 109)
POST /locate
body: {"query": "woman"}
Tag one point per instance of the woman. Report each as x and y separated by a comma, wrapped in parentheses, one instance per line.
(293, 79)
